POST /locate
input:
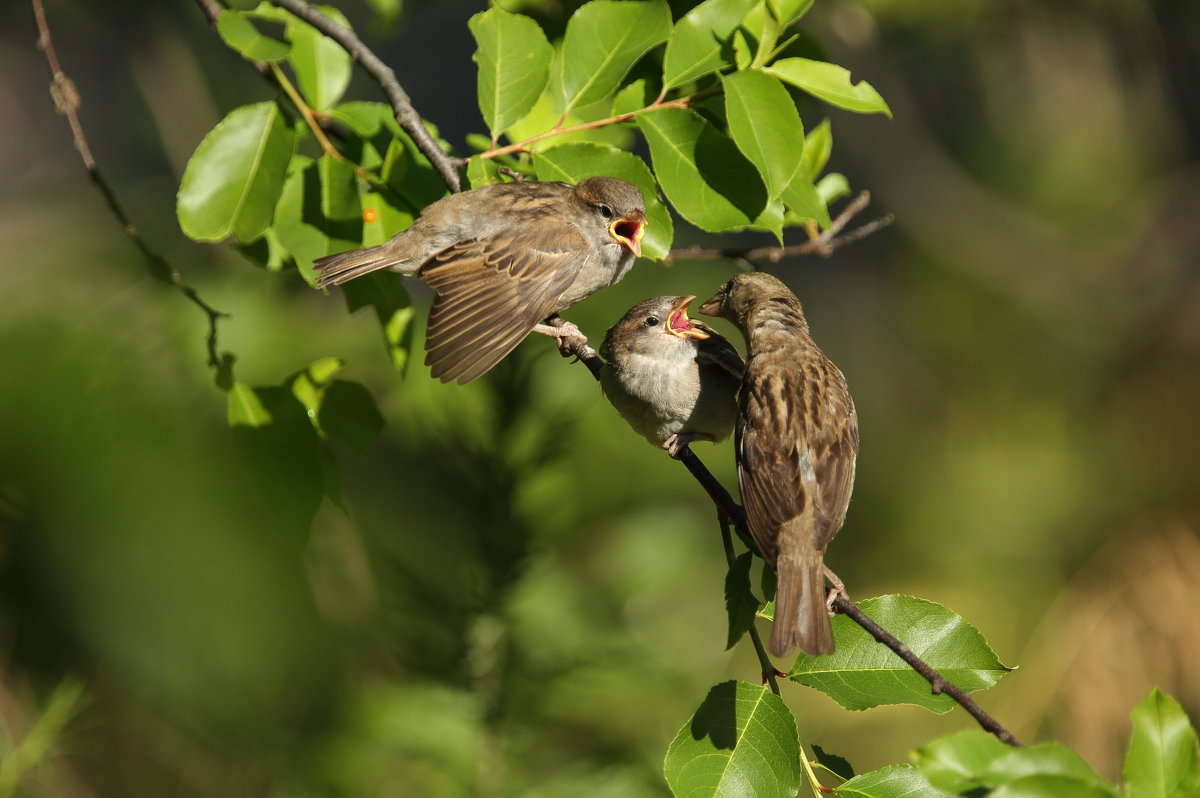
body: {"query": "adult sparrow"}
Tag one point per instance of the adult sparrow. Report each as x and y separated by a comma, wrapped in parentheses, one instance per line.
(502, 258)
(796, 440)
(674, 379)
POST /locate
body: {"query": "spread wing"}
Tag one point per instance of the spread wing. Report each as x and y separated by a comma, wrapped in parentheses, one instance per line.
(796, 450)
(490, 294)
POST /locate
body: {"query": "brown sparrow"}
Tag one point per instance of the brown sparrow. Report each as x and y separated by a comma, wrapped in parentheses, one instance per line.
(502, 258)
(674, 379)
(796, 441)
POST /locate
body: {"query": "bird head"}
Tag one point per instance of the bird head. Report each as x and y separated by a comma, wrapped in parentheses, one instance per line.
(621, 206)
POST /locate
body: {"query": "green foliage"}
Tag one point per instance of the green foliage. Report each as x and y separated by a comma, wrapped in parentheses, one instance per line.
(741, 741)
(862, 674)
(1163, 760)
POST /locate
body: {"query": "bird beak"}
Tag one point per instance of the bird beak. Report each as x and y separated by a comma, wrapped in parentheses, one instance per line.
(678, 323)
(628, 231)
(713, 305)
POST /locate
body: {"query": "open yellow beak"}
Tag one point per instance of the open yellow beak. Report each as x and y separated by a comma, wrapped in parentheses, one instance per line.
(628, 231)
(679, 324)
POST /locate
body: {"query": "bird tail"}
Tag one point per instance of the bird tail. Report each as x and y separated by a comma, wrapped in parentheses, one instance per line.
(801, 620)
(337, 269)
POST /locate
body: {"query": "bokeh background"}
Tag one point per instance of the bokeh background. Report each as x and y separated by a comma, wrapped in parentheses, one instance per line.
(519, 597)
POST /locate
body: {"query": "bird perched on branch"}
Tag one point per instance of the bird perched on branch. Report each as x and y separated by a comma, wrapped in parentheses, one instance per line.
(503, 258)
(674, 379)
(796, 441)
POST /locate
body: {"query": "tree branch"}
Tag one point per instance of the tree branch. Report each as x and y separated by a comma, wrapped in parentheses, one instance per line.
(406, 116)
(823, 244)
(66, 102)
(732, 510)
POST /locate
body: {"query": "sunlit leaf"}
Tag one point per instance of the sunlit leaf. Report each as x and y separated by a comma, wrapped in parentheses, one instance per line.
(863, 673)
(514, 65)
(319, 212)
(232, 181)
(830, 83)
(604, 39)
(322, 65)
(818, 146)
(957, 762)
(384, 291)
(1163, 760)
(740, 742)
(699, 39)
(788, 11)
(766, 127)
(571, 163)
(240, 34)
(708, 181)
(894, 781)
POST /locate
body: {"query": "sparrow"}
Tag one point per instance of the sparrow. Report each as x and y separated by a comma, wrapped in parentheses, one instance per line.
(796, 441)
(674, 379)
(503, 258)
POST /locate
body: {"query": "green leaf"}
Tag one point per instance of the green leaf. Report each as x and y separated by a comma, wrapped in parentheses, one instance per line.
(893, 781)
(240, 34)
(830, 83)
(818, 146)
(838, 765)
(384, 291)
(766, 127)
(245, 408)
(1051, 786)
(740, 603)
(788, 11)
(706, 178)
(863, 674)
(233, 179)
(308, 385)
(319, 212)
(831, 187)
(388, 220)
(698, 42)
(957, 762)
(514, 65)
(322, 65)
(1046, 759)
(633, 96)
(571, 163)
(740, 742)
(483, 172)
(604, 39)
(348, 413)
(1162, 760)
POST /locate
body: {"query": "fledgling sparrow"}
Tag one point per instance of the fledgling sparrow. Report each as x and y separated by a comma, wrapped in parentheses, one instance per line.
(796, 441)
(674, 379)
(502, 258)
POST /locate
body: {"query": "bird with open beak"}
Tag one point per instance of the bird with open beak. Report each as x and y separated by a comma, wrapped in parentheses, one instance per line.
(796, 443)
(504, 258)
(674, 379)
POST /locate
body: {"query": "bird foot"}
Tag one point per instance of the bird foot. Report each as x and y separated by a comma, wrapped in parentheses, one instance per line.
(676, 444)
(570, 339)
(837, 588)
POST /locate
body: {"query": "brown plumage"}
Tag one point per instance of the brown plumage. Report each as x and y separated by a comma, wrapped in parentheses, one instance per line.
(796, 441)
(502, 258)
(674, 379)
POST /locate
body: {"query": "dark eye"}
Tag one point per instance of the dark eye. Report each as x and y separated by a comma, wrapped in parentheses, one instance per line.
(606, 212)
(651, 321)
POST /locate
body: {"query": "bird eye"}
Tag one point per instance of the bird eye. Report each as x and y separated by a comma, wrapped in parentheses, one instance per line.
(606, 212)
(651, 321)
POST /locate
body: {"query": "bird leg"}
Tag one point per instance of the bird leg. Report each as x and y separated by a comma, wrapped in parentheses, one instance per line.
(568, 337)
(837, 588)
(677, 443)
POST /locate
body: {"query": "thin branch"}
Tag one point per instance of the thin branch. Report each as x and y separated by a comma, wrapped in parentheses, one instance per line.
(66, 103)
(769, 671)
(938, 682)
(732, 510)
(406, 116)
(824, 244)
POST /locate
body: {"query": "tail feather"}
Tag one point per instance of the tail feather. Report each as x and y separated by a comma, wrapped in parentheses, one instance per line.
(337, 269)
(801, 620)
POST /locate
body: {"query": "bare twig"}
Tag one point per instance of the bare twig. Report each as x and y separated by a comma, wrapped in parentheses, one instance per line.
(732, 510)
(67, 102)
(406, 116)
(823, 245)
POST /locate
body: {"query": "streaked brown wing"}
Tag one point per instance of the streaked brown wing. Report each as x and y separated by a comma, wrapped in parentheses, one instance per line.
(768, 457)
(490, 294)
(835, 452)
(718, 351)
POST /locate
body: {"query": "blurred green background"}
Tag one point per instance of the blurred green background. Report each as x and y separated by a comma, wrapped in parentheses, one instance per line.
(520, 597)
